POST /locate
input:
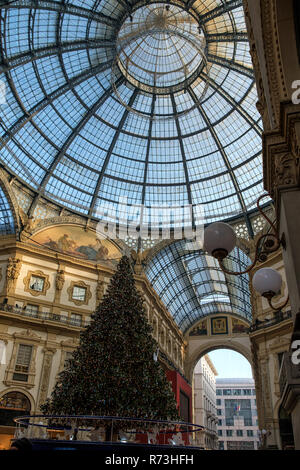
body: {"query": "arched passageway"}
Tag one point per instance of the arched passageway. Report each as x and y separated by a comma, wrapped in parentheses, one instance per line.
(224, 400)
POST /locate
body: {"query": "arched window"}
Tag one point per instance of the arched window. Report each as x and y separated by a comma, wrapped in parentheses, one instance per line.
(13, 404)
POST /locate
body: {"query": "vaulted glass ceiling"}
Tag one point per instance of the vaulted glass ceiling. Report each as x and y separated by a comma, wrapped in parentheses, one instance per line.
(192, 285)
(7, 225)
(149, 101)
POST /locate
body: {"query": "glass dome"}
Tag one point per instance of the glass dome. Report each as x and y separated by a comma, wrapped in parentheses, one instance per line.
(151, 102)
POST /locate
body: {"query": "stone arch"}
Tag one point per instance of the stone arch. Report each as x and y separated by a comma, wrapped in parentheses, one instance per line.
(23, 392)
(211, 345)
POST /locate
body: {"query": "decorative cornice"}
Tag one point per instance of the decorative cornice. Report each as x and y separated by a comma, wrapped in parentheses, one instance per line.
(27, 334)
(281, 154)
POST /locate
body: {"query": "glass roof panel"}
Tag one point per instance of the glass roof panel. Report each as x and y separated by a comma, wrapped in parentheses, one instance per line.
(7, 224)
(192, 285)
(155, 102)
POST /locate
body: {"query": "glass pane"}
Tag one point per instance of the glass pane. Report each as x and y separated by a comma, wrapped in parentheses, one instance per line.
(37, 283)
(24, 355)
(76, 319)
(79, 293)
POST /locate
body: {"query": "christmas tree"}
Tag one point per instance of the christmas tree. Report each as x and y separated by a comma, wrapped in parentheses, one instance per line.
(113, 371)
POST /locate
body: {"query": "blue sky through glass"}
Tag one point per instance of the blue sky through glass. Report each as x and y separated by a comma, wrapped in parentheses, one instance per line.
(77, 131)
(230, 364)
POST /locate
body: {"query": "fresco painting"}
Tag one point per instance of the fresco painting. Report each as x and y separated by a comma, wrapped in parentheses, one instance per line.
(77, 242)
(200, 329)
(238, 326)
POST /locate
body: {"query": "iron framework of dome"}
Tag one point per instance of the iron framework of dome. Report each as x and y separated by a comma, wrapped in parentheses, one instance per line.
(192, 285)
(152, 102)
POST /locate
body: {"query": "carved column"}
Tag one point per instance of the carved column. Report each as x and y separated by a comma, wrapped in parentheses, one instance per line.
(268, 424)
(45, 376)
(282, 180)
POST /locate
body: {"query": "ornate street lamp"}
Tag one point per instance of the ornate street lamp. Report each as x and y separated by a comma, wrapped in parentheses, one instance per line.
(220, 240)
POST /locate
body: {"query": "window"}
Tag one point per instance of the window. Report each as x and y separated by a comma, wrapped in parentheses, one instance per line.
(23, 363)
(227, 391)
(218, 401)
(219, 422)
(249, 433)
(221, 445)
(13, 404)
(237, 391)
(253, 392)
(246, 391)
(37, 283)
(220, 432)
(239, 433)
(240, 445)
(248, 421)
(76, 319)
(219, 391)
(229, 422)
(228, 432)
(32, 310)
(219, 412)
(79, 293)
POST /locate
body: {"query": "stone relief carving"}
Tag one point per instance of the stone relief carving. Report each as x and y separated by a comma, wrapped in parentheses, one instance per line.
(139, 259)
(45, 378)
(27, 334)
(12, 274)
(59, 284)
(60, 279)
(28, 224)
(295, 138)
(100, 289)
(286, 170)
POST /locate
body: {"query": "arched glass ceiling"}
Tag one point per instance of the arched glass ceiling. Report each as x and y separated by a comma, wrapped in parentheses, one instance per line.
(192, 285)
(7, 224)
(149, 101)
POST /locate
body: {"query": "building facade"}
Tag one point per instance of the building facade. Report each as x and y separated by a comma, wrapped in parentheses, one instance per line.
(205, 414)
(46, 299)
(237, 416)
